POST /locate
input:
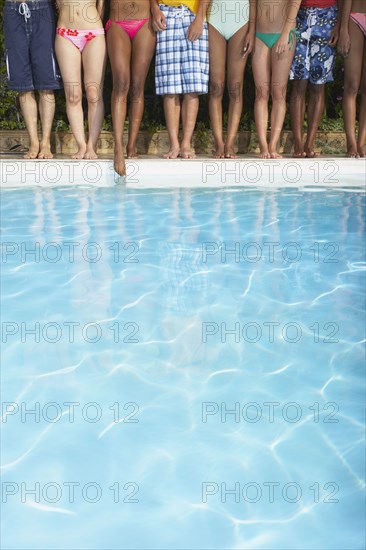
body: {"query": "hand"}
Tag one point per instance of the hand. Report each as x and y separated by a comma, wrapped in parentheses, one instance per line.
(195, 30)
(282, 43)
(334, 36)
(248, 44)
(158, 20)
(344, 43)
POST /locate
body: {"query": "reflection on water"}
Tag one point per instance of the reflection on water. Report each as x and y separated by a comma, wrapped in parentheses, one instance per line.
(183, 369)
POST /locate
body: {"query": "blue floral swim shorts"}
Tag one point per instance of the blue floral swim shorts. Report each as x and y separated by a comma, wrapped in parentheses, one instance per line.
(314, 59)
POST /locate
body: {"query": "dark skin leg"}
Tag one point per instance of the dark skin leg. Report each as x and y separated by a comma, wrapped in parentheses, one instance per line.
(352, 80)
(119, 51)
(143, 47)
(297, 115)
(315, 111)
(362, 119)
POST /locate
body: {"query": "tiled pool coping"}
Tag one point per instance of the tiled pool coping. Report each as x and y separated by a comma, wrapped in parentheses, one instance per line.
(203, 172)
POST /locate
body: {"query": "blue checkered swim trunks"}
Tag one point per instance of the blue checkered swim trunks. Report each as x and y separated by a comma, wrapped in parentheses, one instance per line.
(314, 59)
(181, 66)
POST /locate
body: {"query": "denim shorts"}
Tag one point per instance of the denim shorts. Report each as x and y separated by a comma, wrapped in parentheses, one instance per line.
(29, 35)
(314, 59)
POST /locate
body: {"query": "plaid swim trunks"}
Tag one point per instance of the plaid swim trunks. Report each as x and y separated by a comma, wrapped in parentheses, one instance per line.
(181, 66)
(314, 59)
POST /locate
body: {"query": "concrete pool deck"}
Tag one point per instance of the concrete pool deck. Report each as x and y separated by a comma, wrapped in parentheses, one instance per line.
(202, 172)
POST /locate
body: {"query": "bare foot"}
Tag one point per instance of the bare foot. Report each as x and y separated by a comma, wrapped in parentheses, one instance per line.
(80, 153)
(229, 153)
(275, 155)
(90, 154)
(119, 163)
(187, 153)
(361, 151)
(32, 152)
(173, 153)
(218, 152)
(298, 154)
(132, 153)
(311, 154)
(264, 155)
(352, 154)
(45, 151)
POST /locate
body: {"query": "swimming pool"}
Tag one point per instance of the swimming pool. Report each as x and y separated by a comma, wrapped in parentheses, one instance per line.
(194, 361)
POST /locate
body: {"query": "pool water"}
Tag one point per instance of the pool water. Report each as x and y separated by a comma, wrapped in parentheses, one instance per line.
(183, 369)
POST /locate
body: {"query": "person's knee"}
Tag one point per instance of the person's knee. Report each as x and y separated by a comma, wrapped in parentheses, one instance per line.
(121, 86)
(278, 93)
(262, 93)
(317, 92)
(217, 88)
(235, 91)
(74, 95)
(93, 92)
(351, 87)
(136, 90)
(298, 90)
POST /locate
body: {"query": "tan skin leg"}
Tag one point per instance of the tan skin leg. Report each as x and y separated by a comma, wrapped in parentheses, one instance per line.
(69, 60)
(190, 106)
(362, 118)
(46, 112)
(94, 61)
(28, 107)
(172, 117)
(119, 51)
(217, 50)
(352, 80)
(261, 64)
(297, 115)
(143, 47)
(281, 65)
(235, 78)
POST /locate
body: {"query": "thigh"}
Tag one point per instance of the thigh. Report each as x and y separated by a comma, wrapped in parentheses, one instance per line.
(94, 59)
(235, 61)
(352, 65)
(281, 65)
(322, 55)
(217, 53)
(261, 65)
(119, 52)
(143, 48)
(195, 61)
(69, 59)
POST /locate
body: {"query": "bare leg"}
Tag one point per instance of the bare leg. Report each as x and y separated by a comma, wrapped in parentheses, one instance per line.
(189, 116)
(281, 65)
(47, 112)
(352, 79)
(143, 47)
(28, 107)
(119, 50)
(362, 118)
(172, 116)
(69, 60)
(235, 78)
(261, 63)
(315, 111)
(94, 60)
(297, 115)
(217, 45)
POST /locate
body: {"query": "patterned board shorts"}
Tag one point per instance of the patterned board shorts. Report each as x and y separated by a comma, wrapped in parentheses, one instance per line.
(314, 59)
(181, 66)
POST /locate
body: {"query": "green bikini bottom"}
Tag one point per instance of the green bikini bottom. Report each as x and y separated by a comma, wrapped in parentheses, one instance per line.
(270, 38)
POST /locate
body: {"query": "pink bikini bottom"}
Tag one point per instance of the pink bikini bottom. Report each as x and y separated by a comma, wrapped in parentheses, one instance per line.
(130, 26)
(79, 38)
(360, 20)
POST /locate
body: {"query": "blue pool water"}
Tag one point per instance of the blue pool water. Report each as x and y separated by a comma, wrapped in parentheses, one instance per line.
(194, 361)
